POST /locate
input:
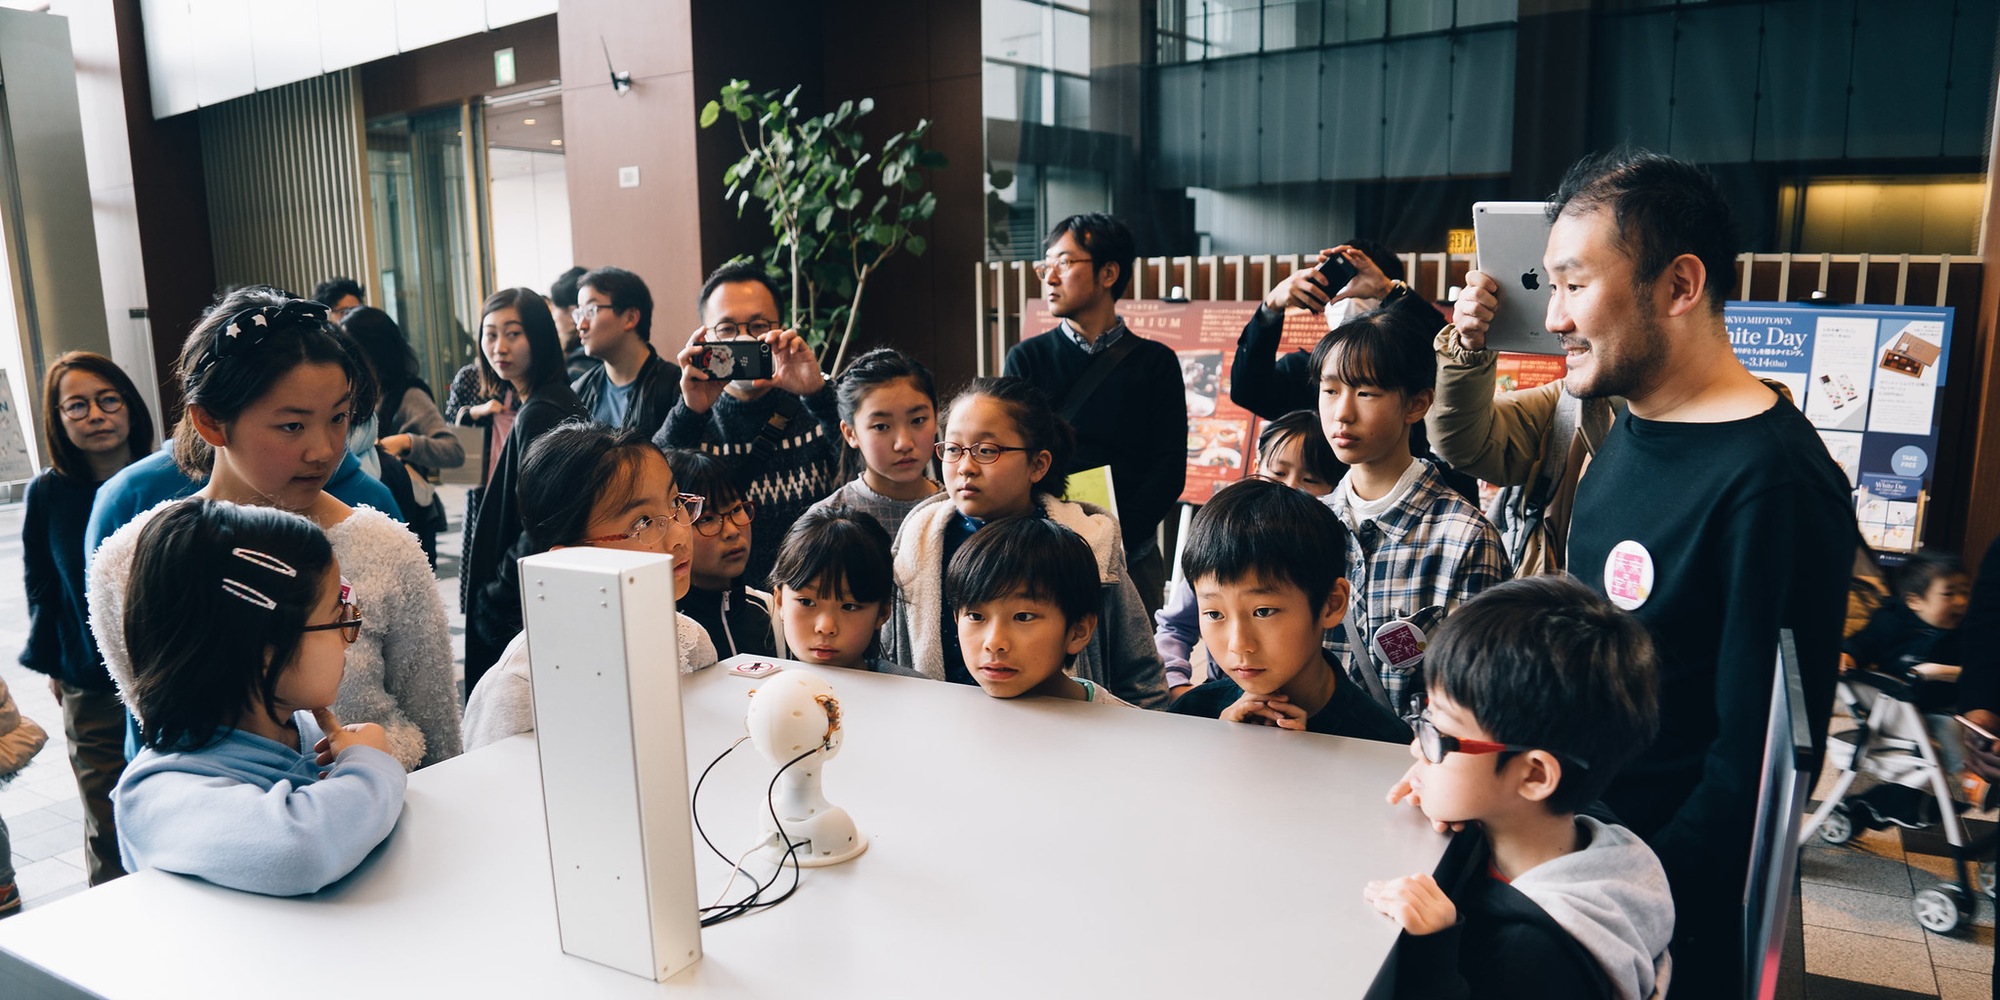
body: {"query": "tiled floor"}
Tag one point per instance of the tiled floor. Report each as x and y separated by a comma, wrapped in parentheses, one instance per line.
(1862, 941)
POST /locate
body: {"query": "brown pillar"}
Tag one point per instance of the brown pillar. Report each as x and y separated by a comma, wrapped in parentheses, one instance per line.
(654, 228)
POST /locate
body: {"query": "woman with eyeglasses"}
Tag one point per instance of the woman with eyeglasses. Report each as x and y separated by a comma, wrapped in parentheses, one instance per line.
(271, 386)
(738, 618)
(520, 357)
(635, 504)
(94, 423)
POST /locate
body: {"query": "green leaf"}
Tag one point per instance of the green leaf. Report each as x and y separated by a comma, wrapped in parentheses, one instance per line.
(931, 159)
(709, 113)
(742, 200)
(927, 204)
(1002, 178)
(892, 173)
(793, 95)
(916, 245)
(823, 218)
(912, 182)
(867, 105)
(850, 198)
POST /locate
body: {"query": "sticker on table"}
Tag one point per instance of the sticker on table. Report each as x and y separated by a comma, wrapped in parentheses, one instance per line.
(1628, 575)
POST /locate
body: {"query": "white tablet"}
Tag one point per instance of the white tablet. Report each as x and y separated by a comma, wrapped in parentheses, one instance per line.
(1511, 237)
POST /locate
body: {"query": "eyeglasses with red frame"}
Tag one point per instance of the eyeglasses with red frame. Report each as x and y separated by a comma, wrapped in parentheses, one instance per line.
(1436, 745)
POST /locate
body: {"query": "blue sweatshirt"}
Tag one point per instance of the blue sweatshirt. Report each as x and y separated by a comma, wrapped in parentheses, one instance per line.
(255, 815)
(138, 487)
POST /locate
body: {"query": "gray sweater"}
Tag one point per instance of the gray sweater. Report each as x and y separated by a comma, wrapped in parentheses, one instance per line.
(857, 496)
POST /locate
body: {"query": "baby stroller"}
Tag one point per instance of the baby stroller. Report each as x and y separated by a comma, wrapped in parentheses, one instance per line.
(1892, 745)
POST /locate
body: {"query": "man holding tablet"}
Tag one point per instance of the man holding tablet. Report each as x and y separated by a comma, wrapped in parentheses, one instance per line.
(1711, 511)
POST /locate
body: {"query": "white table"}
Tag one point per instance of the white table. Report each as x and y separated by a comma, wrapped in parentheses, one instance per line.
(1030, 848)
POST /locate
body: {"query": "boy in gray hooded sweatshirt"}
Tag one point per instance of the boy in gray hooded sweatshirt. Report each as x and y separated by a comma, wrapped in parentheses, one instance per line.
(1538, 690)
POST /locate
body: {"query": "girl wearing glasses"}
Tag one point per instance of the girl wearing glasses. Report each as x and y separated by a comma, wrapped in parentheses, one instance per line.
(1003, 451)
(241, 624)
(737, 617)
(636, 505)
(94, 423)
(271, 386)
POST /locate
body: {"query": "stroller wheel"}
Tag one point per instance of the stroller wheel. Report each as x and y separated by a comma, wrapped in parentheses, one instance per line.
(1942, 910)
(1838, 827)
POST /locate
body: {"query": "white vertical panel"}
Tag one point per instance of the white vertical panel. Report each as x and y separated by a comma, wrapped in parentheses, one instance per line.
(552, 216)
(222, 42)
(286, 41)
(170, 56)
(428, 22)
(501, 12)
(353, 32)
(609, 732)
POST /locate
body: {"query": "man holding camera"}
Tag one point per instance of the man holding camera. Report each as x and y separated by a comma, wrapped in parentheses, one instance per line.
(780, 435)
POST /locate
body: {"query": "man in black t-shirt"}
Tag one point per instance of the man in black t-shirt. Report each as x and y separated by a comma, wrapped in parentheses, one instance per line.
(1712, 512)
(1135, 419)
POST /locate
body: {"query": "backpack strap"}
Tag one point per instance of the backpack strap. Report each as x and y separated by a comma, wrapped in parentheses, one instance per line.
(1100, 369)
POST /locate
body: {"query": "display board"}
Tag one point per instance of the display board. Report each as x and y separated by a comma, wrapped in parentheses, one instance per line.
(1222, 437)
(1871, 379)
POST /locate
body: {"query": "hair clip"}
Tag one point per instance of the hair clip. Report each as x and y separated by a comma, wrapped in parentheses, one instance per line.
(264, 560)
(250, 327)
(253, 595)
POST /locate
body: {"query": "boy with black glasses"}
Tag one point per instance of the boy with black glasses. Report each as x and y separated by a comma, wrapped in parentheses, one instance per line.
(1538, 691)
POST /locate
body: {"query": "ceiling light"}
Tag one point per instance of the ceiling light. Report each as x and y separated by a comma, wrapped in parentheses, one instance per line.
(555, 142)
(527, 121)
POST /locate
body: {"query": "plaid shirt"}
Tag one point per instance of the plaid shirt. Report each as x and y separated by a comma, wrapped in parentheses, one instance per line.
(1431, 548)
(1104, 340)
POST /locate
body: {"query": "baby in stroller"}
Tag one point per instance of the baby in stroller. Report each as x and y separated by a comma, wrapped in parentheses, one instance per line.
(1913, 638)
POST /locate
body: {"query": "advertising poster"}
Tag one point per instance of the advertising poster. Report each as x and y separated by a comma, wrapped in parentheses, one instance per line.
(1870, 378)
(1222, 437)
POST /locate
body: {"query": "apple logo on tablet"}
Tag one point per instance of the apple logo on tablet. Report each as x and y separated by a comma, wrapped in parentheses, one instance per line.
(1530, 280)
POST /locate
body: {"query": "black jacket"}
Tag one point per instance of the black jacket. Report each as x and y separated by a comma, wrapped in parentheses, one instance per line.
(658, 388)
(487, 584)
(1510, 946)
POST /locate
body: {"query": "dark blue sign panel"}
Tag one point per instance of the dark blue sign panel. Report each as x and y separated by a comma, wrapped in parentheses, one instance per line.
(1871, 378)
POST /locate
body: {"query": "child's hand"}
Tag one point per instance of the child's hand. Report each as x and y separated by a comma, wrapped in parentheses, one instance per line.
(1266, 710)
(339, 737)
(1404, 789)
(1414, 901)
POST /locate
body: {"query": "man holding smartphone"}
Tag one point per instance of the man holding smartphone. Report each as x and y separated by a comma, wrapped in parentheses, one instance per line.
(780, 436)
(1353, 278)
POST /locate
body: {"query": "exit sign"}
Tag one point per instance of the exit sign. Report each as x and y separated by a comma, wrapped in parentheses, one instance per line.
(503, 67)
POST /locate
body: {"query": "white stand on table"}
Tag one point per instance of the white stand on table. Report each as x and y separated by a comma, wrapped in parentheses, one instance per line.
(606, 677)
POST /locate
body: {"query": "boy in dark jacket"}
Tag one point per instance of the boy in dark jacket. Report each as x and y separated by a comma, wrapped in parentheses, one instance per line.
(1918, 626)
(1537, 690)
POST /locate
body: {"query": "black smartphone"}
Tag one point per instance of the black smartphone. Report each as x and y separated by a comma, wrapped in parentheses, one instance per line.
(733, 360)
(1976, 735)
(1337, 271)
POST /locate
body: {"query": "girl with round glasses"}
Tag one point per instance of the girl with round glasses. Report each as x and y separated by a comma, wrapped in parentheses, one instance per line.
(637, 505)
(737, 617)
(1003, 452)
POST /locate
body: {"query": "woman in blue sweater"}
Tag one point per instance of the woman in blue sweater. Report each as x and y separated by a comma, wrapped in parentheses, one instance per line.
(94, 423)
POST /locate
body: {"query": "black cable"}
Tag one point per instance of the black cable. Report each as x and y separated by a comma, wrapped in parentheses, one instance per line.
(754, 901)
(694, 800)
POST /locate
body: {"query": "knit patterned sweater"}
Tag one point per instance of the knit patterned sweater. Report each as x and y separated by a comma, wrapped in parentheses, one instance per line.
(399, 672)
(803, 468)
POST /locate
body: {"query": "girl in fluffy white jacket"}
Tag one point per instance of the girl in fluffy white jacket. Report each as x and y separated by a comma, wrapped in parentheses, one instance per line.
(1003, 450)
